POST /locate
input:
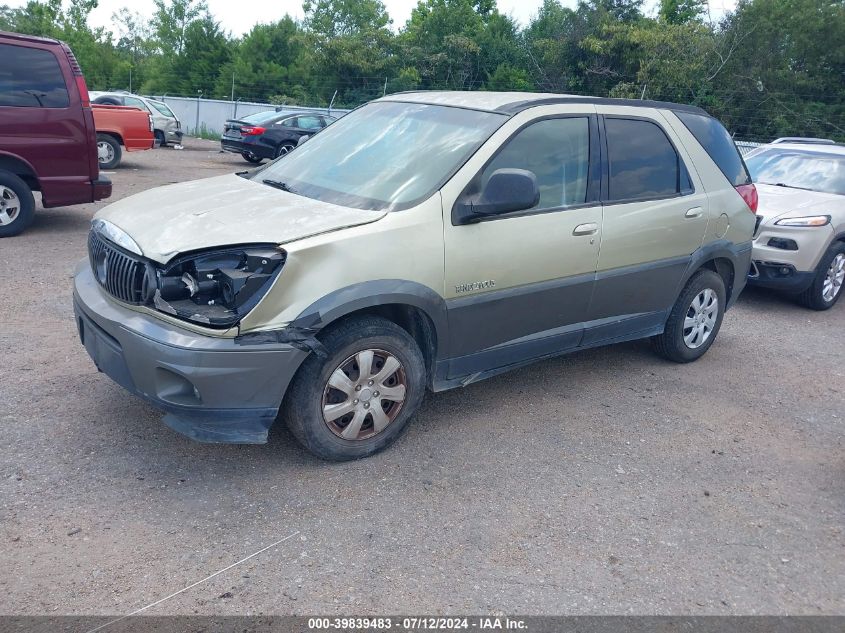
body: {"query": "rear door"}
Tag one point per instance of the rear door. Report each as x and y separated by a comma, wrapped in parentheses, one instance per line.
(655, 217)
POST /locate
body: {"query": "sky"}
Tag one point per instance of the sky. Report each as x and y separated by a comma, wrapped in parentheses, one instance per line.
(239, 17)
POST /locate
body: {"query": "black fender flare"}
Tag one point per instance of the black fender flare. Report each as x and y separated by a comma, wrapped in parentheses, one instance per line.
(738, 254)
(369, 294)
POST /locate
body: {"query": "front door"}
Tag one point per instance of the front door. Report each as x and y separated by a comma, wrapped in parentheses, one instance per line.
(518, 285)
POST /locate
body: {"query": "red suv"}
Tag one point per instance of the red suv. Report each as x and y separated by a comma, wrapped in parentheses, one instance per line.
(48, 141)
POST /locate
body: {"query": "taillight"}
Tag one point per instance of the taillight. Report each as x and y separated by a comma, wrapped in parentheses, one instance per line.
(83, 91)
(749, 194)
(77, 73)
(252, 130)
(152, 127)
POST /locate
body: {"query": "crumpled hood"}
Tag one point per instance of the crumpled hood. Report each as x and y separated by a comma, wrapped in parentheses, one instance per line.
(222, 211)
(776, 201)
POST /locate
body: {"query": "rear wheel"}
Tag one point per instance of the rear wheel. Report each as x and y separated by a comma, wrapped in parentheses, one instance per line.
(359, 399)
(250, 157)
(695, 319)
(108, 151)
(17, 205)
(826, 288)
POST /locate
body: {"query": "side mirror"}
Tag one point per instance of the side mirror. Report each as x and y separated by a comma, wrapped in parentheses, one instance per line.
(506, 191)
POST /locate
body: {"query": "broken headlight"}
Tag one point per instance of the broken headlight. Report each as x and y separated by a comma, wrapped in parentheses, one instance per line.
(214, 288)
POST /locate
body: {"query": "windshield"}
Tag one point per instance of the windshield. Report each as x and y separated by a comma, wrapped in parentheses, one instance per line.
(261, 117)
(163, 109)
(384, 156)
(803, 170)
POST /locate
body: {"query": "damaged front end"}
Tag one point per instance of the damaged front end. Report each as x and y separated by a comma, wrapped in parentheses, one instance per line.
(214, 288)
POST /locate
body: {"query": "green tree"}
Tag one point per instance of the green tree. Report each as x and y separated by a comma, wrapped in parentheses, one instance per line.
(348, 46)
(681, 11)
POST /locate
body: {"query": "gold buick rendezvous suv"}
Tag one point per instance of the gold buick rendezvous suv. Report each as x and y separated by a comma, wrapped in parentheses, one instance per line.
(425, 240)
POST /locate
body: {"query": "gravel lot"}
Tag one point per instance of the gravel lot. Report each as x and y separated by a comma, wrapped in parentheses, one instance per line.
(607, 481)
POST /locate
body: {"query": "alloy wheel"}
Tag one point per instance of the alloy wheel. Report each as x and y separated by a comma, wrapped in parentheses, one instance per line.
(364, 394)
(10, 205)
(833, 280)
(701, 318)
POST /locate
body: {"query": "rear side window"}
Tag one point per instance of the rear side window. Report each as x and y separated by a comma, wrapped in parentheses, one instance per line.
(718, 144)
(135, 103)
(643, 163)
(557, 151)
(310, 123)
(31, 77)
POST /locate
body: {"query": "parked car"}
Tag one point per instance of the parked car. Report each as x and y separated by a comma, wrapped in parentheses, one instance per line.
(119, 125)
(166, 126)
(47, 137)
(799, 244)
(425, 240)
(270, 134)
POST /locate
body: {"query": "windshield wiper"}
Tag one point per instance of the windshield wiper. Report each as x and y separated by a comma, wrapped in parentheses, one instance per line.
(278, 185)
(783, 184)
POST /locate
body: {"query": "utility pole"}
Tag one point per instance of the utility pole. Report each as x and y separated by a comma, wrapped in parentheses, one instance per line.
(197, 127)
(233, 86)
(384, 92)
(130, 79)
(332, 102)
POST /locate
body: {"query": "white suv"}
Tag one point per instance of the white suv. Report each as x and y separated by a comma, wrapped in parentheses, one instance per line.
(799, 244)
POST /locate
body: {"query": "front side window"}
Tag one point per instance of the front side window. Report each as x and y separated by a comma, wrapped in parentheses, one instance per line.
(643, 163)
(557, 151)
(384, 155)
(798, 169)
(31, 77)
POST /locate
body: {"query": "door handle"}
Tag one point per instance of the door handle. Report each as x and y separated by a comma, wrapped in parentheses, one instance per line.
(586, 229)
(695, 212)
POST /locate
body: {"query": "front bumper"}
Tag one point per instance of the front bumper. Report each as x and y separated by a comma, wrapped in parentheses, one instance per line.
(779, 276)
(212, 389)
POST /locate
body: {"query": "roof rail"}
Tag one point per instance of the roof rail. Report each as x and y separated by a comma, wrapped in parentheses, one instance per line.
(802, 139)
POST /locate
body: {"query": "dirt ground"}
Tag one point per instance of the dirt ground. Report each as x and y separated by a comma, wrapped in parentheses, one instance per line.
(607, 481)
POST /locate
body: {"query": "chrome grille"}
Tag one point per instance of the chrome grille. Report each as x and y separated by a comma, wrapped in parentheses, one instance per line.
(121, 274)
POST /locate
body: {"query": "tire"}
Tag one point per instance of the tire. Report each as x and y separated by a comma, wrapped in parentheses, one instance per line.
(831, 269)
(17, 205)
(251, 158)
(284, 148)
(108, 151)
(303, 407)
(160, 139)
(681, 343)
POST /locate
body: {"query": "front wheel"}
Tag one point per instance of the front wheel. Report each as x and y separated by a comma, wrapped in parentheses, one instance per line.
(695, 319)
(359, 399)
(826, 288)
(108, 151)
(17, 205)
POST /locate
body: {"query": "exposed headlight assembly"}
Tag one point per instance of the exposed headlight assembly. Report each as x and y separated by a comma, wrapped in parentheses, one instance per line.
(813, 220)
(215, 288)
